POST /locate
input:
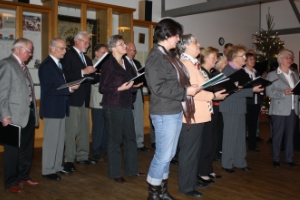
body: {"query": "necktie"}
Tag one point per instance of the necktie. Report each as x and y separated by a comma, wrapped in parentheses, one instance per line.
(27, 76)
(131, 62)
(82, 58)
(59, 65)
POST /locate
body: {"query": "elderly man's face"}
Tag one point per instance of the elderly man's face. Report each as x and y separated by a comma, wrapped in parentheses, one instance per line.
(83, 43)
(25, 52)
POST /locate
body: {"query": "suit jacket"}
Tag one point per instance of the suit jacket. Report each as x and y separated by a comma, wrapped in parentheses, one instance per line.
(281, 104)
(54, 103)
(15, 92)
(138, 66)
(236, 102)
(72, 66)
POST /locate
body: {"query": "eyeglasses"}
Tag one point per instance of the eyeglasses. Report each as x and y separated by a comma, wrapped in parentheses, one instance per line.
(61, 48)
(134, 51)
(28, 50)
(244, 56)
(121, 44)
(288, 58)
(85, 42)
(194, 41)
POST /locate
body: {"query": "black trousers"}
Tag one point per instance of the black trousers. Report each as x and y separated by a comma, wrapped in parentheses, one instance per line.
(188, 158)
(251, 124)
(208, 144)
(120, 127)
(17, 161)
(219, 130)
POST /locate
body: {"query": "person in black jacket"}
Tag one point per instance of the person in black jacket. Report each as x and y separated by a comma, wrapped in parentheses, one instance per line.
(76, 65)
(253, 104)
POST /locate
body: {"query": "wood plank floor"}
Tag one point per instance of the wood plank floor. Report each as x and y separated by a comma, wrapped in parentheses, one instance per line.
(91, 181)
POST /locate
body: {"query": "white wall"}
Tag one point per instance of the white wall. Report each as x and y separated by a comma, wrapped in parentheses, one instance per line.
(284, 18)
(234, 25)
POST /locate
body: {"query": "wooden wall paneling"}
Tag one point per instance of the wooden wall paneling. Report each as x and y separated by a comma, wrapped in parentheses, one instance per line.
(104, 19)
(126, 26)
(19, 22)
(83, 13)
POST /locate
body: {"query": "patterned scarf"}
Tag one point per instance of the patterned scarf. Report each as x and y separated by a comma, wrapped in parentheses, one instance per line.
(202, 73)
(184, 81)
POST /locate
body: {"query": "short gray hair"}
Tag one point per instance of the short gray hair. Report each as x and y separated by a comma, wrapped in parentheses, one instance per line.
(283, 52)
(112, 41)
(54, 41)
(21, 42)
(185, 39)
(80, 35)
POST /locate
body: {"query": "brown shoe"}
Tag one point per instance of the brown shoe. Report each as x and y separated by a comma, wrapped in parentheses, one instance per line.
(29, 182)
(15, 189)
(120, 180)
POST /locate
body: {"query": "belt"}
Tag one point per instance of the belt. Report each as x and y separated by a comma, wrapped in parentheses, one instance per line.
(216, 103)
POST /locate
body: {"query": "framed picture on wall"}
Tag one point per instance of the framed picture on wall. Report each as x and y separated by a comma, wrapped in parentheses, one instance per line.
(141, 38)
(69, 26)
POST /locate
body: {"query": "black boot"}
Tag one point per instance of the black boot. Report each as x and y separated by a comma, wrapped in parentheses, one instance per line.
(154, 192)
(165, 195)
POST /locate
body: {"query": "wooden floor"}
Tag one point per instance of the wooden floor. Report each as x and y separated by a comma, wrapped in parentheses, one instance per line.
(91, 181)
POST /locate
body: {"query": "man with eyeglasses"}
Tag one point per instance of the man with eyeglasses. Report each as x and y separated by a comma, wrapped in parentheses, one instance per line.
(54, 108)
(18, 106)
(138, 99)
(76, 65)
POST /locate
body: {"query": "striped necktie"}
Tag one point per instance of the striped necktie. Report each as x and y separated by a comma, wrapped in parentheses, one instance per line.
(82, 58)
(27, 76)
(59, 65)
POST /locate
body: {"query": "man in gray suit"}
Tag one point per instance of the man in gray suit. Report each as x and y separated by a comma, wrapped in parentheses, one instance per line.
(283, 108)
(138, 104)
(18, 106)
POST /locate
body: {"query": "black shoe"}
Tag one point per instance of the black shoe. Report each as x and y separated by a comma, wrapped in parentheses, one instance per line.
(88, 161)
(153, 145)
(201, 185)
(144, 149)
(194, 194)
(63, 171)
(208, 181)
(291, 164)
(98, 158)
(246, 169)
(254, 150)
(214, 176)
(231, 171)
(54, 177)
(174, 161)
(258, 139)
(69, 166)
(276, 164)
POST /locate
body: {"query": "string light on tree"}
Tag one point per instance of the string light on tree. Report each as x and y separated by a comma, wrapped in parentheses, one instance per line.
(267, 42)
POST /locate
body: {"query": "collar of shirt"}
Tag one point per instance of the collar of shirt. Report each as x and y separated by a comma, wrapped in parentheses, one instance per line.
(77, 50)
(129, 59)
(193, 60)
(279, 71)
(233, 66)
(18, 59)
(55, 59)
(249, 72)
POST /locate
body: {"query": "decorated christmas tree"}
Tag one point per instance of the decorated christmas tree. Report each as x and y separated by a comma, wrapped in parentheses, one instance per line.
(267, 43)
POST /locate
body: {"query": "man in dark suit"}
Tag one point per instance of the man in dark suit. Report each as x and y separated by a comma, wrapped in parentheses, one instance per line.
(75, 66)
(18, 106)
(138, 104)
(53, 109)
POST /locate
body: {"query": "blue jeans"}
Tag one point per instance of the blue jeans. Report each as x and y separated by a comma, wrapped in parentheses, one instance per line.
(167, 130)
